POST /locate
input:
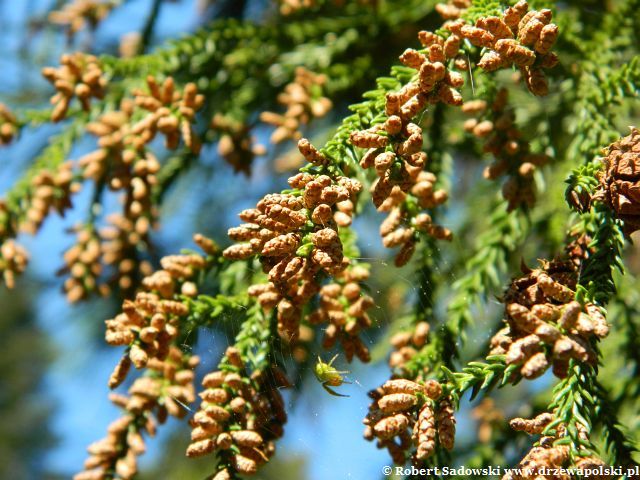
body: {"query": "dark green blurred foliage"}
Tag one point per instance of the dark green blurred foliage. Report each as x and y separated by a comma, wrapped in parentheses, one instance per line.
(25, 409)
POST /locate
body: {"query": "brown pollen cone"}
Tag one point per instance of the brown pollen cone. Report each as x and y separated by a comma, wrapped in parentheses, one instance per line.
(620, 180)
(545, 325)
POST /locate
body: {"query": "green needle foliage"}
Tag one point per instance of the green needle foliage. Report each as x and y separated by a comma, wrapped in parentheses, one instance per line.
(460, 122)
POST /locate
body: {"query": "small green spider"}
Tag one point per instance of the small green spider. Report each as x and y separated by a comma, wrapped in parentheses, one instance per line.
(328, 376)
